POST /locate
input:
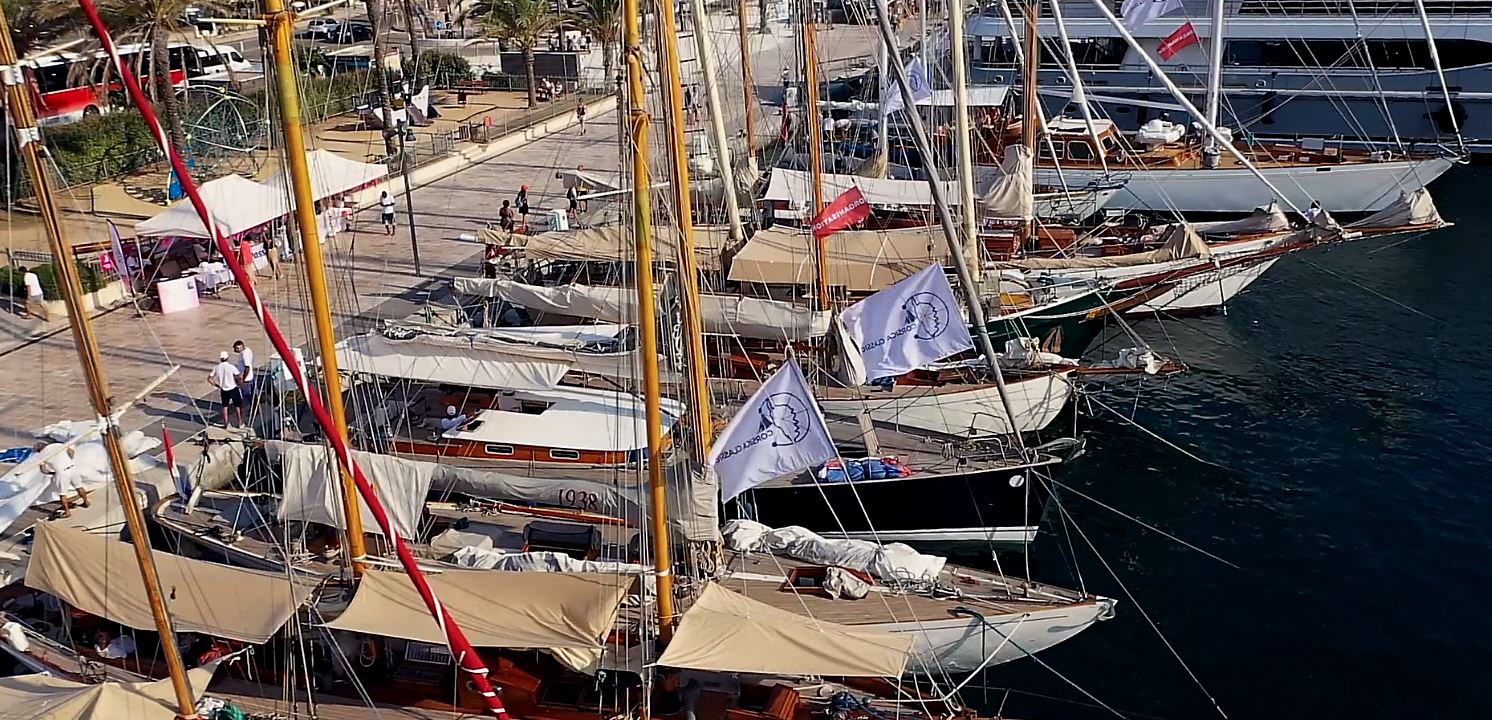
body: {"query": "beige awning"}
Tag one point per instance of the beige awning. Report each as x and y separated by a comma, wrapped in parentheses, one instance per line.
(615, 243)
(859, 260)
(569, 614)
(44, 697)
(728, 632)
(100, 576)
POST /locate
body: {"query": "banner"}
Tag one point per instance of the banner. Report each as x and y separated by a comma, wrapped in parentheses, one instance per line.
(908, 325)
(916, 77)
(1138, 12)
(116, 258)
(1184, 37)
(847, 210)
(779, 431)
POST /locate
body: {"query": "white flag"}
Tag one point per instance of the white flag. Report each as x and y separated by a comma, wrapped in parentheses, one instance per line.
(1138, 12)
(908, 325)
(916, 78)
(779, 431)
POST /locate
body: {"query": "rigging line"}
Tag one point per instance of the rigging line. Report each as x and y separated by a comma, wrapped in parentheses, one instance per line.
(1380, 295)
(1135, 601)
(1153, 434)
(1048, 666)
(1411, 238)
(1144, 524)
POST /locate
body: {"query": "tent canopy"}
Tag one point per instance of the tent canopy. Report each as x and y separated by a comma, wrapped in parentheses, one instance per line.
(100, 576)
(465, 359)
(332, 174)
(44, 697)
(237, 204)
(727, 632)
(859, 260)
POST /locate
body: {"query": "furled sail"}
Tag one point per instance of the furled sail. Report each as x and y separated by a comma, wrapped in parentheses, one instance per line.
(1009, 196)
(1267, 219)
(1412, 208)
(1181, 243)
(616, 243)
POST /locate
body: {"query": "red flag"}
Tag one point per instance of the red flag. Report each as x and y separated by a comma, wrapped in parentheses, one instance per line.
(849, 208)
(1182, 38)
(183, 488)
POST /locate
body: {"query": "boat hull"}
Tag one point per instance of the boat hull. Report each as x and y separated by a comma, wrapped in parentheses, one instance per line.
(964, 644)
(1036, 402)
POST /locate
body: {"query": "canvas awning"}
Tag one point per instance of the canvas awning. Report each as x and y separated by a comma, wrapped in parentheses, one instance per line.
(332, 174)
(313, 488)
(100, 576)
(796, 187)
(615, 243)
(237, 204)
(46, 697)
(457, 359)
(568, 614)
(728, 632)
(859, 260)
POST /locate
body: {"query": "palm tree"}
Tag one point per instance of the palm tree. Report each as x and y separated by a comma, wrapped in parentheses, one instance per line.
(602, 20)
(374, 9)
(35, 23)
(522, 23)
(155, 21)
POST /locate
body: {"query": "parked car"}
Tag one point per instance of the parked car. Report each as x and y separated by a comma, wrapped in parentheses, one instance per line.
(322, 28)
(352, 32)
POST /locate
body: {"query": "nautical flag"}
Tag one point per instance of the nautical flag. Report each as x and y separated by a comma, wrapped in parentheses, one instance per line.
(116, 256)
(916, 78)
(1184, 36)
(1138, 12)
(849, 209)
(779, 431)
(908, 325)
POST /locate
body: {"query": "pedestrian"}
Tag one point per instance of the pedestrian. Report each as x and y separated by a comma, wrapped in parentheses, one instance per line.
(491, 256)
(386, 209)
(36, 301)
(787, 79)
(580, 115)
(245, 370)
(574, 199)
(505, 217)
(58, 464)
(689, 104)
(523, 205)
(224, 377)
(1313, 212)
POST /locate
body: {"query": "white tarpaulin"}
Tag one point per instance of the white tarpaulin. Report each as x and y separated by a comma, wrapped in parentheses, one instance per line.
(778, 431)
(486, 558)
(890, 562)
(796, 187)
(45, 697)
(720, 314)
(313, 488)
(457, 359)
(1009, 197)
(24, 485)
(332, 174)
(908, 325)
(236, 204)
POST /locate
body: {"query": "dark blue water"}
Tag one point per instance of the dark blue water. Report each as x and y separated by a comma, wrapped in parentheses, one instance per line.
(1356, 494)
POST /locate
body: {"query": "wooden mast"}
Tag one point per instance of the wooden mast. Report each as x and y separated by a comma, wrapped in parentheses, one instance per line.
(1031, 114)
(815, 145)
(642, 206)
(748, 84)
(282, 27)
(23, 118)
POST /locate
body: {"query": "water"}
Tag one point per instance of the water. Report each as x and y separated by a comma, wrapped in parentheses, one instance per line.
(1356, 498)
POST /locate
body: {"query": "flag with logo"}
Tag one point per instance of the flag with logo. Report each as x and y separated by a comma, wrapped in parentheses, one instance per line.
(1138, 12)
(779, 431)
(908, 325)
(916, 77)
(847, 210)
(1184, 37)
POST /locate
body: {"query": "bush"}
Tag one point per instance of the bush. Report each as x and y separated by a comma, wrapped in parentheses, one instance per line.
(101, 146)
(13, 280)
(442, 69)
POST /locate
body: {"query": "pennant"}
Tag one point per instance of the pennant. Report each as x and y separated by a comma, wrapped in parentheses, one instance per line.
(1138, 12)
(909, 325)
(847, 210)
(779, 431)
(1183, 37)
(916, 78)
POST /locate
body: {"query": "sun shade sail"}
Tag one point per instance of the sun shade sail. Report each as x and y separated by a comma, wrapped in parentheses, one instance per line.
(458, 359)
(237, 204)
(44, 697)
(859, 260)
(100, 576)
(728, 632)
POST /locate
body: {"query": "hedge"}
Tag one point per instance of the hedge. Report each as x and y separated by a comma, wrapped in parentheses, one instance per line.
(13, 280)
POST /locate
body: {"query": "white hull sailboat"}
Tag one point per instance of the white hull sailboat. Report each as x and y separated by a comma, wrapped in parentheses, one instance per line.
(970, 411)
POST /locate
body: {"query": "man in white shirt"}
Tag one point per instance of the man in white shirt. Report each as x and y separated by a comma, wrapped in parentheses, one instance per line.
(453, 420)
(57, 463)
(113, 648)
(36, 302)
(245, 370)
(224, 377)
(386, 210)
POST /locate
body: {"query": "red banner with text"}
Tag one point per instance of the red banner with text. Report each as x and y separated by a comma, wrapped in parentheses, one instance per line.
(1185, 36)
(849, 209)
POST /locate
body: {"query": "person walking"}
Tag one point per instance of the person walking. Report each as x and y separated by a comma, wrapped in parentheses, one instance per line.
(36, 301)
(522, 202)
(580, 115)
(224, 377)
(505, 217)
(573, 197)
(386, 210)
(245, 370)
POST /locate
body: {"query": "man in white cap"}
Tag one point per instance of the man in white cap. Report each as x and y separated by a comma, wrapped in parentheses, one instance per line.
(453, 420)
(57, 463)
(224, 377)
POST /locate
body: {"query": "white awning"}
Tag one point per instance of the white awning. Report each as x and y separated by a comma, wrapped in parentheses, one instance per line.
(45, 697)
(978, 96)
(457, 359)
(332, 174)
(728, 632)
(236, 204)
(100, 576)
(795, 187)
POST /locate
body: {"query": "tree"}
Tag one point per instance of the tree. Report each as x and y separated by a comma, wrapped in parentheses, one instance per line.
(154, 21)
(374, 9)
(522, 23)
(602, 20)
(35, 23)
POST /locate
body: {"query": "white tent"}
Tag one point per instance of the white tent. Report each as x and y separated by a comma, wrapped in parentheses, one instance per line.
(332, 174)
(237, 205)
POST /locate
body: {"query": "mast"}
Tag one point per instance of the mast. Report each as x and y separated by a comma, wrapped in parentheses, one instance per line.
(642, 205)
(720, 141)
(1030, 115)
(23, 118)
(1445, 90)
(282, 28)
(962, 143)
(687, 261)
(1211, 154)
(815, 146)
(748, 85)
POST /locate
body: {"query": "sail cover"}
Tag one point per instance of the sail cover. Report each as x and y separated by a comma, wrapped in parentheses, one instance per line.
(1416, 208)
(1009, 196)
(45, 697)
(615, 243)
(458, 359)
(237, 204)
(313, 491)
(100, 576)
(1181, 243)
(858, 260)
(792, 186)
(1267, 219)
(568, 614)
(720, 314)
(727, 632)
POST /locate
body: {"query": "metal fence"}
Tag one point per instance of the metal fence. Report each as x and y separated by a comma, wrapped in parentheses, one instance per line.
(430, 146)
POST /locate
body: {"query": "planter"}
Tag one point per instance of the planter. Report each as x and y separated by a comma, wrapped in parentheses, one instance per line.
(104, 298)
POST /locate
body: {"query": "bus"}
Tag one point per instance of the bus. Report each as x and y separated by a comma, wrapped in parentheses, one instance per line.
(67, 87)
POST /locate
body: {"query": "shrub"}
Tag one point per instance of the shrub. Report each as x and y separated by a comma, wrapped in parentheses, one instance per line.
(101, 146)
(13, 280)
(443, 69)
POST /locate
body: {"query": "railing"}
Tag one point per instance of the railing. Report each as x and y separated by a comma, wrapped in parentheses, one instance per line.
(431, 146)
